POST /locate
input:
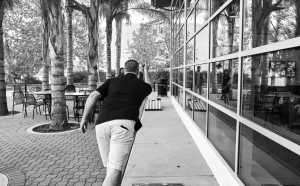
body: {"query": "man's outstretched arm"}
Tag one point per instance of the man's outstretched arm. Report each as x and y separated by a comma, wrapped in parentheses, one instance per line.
(148, 79)
(89, 106)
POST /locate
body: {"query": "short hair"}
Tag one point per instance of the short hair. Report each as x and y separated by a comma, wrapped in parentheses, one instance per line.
(131, 66)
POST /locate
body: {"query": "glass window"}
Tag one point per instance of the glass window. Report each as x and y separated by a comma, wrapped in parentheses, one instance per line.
(175, 76)
(200, 108)
(265, 162)
(201, 13)
(273, 22)
(190, 5)
(180, 56)
(216, 4)
(201, 79)
(189, 78)
(180, 76)
(225, 31)
(221, 133)
(180, 96)
(202, 45)
(181, 37)
(224, 82)
(190, 52)
(271, 91)
(191, 24)
(189, 104)
(175, 91)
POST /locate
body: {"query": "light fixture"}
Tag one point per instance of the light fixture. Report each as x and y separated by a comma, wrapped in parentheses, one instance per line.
(232, 13)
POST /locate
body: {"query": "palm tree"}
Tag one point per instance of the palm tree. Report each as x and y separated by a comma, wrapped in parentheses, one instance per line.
(45, 39)
(4, 4)
(92, 16)
(117, 10)
(55, 18)
(70, 80)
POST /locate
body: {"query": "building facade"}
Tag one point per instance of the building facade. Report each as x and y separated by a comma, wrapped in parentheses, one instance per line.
(235, 82)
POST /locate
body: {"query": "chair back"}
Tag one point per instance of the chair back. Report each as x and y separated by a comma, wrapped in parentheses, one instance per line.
(17, 88)
(30, 99)
(18, 97)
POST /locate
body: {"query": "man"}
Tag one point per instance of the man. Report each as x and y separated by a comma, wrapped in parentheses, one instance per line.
(118, 117)
(199, 80)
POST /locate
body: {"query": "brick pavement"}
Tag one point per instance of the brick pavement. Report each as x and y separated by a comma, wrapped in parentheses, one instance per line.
(40, 160)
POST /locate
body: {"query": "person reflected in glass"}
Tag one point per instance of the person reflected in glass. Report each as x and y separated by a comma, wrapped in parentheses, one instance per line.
(199, 80)
(121, 72)
(225, 87)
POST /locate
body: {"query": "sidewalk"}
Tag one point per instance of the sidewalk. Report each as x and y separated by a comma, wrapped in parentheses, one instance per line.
(164, 152)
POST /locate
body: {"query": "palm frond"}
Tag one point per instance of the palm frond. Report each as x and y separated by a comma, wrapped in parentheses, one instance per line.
(146, 9)
(8, 4)
(123, 15)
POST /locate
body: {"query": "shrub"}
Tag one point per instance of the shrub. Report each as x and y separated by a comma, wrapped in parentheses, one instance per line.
(161, 74)
(29, 79)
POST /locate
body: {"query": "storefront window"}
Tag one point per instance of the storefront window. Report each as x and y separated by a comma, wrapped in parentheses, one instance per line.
(274, 21)
(221, 132)
(181, 56)
(200, 109)
(191, 24)
(180, 73)
(201, 79)
(271, 91)
(190, 52)
(202, 45)
(180, 96)
(224, 83)
(216, 4)
(175, 75)
(265, 162)
(225, 31)
(189, 78)
(201, 13)
(188, 104)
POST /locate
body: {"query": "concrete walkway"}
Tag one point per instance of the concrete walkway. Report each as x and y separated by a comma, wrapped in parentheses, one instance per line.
(164, 152)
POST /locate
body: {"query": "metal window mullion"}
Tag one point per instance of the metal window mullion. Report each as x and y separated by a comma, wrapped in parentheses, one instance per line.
(208, 69)
(184, 53)
(240, 87)
(171, 55)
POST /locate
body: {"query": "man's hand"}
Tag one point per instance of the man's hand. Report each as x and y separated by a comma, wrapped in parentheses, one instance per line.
(83, 125)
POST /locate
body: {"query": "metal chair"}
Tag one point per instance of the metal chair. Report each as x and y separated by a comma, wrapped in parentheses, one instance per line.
(18, 99)
(36, 103)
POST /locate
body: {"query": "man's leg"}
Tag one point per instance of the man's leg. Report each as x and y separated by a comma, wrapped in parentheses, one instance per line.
(121, 140)
(103, 140)
(113, 177)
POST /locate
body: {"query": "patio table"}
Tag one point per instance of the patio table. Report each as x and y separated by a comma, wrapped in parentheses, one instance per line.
(76, 95)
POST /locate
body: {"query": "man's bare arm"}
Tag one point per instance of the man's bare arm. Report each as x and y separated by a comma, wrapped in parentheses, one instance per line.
(89, 106)
(148, 79)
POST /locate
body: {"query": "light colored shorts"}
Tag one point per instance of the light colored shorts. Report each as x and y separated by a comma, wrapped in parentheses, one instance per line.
(114, 141)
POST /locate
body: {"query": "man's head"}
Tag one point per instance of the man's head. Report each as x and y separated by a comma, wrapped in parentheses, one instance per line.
(198, 68)
(132, 66)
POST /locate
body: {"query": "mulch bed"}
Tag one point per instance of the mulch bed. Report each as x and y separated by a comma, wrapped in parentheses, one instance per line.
(10, 113)
(45, 128)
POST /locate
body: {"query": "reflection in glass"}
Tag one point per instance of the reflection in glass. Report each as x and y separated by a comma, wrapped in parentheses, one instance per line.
(200, 108)
(180, 56)
(175, 92)
(189, 78)
(180, 96)
(216, 4)
(271, 91)
(190, 52)
(189, 104)
(225, 31)
(175, 76)
(224, 83)
(202, 45)
(180, 76)
(191, 24)
(273, 22)
(181, 37)
(265, 162)
(201, 79)
(175, 60)
(221, 132)
(201, 13)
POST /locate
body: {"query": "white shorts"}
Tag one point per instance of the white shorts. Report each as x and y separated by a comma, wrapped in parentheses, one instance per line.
(114, 141)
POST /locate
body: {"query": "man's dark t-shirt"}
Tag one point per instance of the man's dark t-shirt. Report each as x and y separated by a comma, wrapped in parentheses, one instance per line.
(123, 97)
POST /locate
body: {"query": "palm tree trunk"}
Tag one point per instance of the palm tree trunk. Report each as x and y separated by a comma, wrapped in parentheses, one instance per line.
(45, 39)
(3, 102)
(56, 49)
(118, 43)
(108, 47)
(93, 25)
(70, 79)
